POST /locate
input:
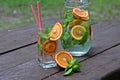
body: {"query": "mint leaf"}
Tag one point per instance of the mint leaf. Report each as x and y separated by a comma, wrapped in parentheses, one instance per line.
(73, 61)
(85, 24)
(67, 68)
(66, 40)
(68, 19)
(76, 68)
(40, 48)
(84, 39)
(69, 72)
(43, 37)
(73, 66)
(47, 30)
(66, 36)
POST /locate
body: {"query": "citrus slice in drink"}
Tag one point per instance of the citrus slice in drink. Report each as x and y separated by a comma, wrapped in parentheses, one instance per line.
(38, 40)
(77, 32)
(62, 58)
(75, 22)
(56, 32)
(49, 47)
(80, 14)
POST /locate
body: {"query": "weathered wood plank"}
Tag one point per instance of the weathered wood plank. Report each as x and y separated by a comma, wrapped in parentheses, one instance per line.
(20, 37)
(99, 45)
(17, 57)
(114, 75)
(27, 71)
(94, 68)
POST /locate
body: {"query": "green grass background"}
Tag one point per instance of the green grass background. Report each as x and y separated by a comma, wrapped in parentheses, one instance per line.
(15, 13)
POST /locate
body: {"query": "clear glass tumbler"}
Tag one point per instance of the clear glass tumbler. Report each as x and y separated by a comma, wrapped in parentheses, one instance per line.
(77, 34)
(46, 49)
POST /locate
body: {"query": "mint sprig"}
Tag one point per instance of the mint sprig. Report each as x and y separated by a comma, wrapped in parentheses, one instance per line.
(73, 67)
(44, 36)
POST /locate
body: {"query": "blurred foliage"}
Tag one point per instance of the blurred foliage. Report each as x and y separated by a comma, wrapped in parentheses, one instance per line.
(104, 9)
(14, 13)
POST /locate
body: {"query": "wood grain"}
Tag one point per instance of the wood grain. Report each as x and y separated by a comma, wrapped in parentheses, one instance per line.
(21, 64)
(94, 68)
(17, 57)
(22, 36)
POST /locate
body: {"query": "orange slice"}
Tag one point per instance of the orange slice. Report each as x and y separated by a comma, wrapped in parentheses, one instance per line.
(49, 47)
(85, 18)
(77, 32)
(62, 58)
(80, 14)
(38, 40)
(75, 22)
(56, 32)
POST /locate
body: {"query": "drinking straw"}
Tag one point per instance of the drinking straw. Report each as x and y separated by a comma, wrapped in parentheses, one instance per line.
(35, 16)
(38, 21)
(39, 16)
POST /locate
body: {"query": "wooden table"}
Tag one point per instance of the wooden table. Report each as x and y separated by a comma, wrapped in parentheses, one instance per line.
(18, 54)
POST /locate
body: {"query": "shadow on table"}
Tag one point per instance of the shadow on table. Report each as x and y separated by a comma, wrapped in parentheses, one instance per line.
(115, 75)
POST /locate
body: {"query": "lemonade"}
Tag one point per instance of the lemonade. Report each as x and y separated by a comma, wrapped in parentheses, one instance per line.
(77, 32)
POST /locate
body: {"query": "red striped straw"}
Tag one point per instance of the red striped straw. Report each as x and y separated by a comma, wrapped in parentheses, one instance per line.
(36, 18)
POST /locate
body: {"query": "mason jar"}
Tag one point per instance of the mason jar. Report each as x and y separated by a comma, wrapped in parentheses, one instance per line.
(77, 32)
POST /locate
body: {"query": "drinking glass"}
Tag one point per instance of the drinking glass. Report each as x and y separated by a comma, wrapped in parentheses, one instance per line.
(46, 50)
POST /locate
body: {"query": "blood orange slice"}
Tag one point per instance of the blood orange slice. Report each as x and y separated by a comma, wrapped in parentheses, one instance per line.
(62, 58)
(80, 14)
(56, 32)
(49, 47)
